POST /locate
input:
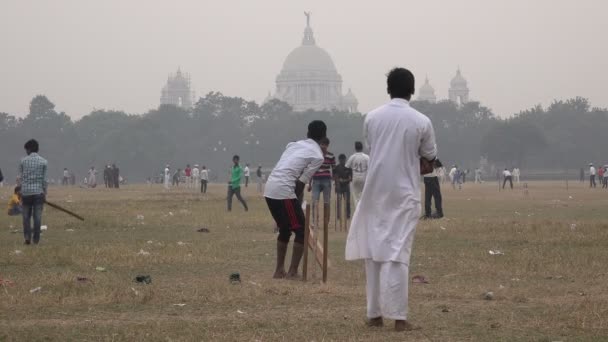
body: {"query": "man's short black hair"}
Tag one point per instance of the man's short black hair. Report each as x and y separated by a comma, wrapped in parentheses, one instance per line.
(17, 188)
(358, 146)
(236, 157)
(324, 141)
(342, 156)
(317, 130)
(400, 83)
(31, 146)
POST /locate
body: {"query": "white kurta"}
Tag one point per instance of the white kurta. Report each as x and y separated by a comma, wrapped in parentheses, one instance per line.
(167, 178)
(384, 222)
(92, 178)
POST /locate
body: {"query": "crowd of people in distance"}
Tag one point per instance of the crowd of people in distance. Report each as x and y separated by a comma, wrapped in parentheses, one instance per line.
(602, 176)
(111, 177)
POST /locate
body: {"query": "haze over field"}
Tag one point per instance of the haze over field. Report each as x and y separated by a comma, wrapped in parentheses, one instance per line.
(117, 54)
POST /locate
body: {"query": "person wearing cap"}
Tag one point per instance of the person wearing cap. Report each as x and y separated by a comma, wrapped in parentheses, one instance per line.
(592, 172)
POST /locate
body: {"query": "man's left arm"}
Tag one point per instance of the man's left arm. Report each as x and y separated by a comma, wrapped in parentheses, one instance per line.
(44, 176)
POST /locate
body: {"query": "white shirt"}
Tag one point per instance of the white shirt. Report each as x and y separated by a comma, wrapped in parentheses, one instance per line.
(300, 160)
(384, 222)
(167, 172)
(592, 171)
(66, 173)
(358, 162)
(195, 173)
(506, 173)
(453, 172)
(204, 174)
(246, 171)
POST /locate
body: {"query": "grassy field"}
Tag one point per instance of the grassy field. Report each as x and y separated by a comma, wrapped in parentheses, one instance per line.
(550, 284)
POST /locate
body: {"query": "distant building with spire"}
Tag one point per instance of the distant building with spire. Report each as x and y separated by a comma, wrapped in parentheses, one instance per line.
(459, 90)
(427, 92)
(457, 93)
(309, 79)
(178, 91)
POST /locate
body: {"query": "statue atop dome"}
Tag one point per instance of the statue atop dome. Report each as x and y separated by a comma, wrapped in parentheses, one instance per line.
(307, 14)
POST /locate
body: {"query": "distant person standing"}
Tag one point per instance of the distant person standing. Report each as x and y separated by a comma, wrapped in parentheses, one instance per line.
(600, 175)
(432, 190)
(204, 179)
(196, 177)
(234, 187)
(478, 175)
(321, 181)
(188, 176)
(65, 181)
(359, 163)
(605, 180)
(1, 178)
(176, 177)
(246, 173)
(592, 176)
(507, 178)
(167, 177)
(343, 176)
(115, 176)
(92, 181)
(106, 176)
(260, 176)
(516, 175)
(32, 175)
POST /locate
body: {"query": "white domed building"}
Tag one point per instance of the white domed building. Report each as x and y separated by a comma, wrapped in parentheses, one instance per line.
(459, 90)
(309, 79)
(427, 92)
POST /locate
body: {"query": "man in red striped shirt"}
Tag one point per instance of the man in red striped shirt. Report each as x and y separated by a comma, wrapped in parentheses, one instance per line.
(321, 181)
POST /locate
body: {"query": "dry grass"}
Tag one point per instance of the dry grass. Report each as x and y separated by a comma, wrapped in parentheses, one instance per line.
(549, 286)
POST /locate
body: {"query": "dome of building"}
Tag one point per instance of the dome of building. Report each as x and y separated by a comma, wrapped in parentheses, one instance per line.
(309, 78)
(459, 91)
(427, 92)
(309, 58)
(458, 80)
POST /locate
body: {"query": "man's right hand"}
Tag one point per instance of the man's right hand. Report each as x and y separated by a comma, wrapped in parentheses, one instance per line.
(309, 188)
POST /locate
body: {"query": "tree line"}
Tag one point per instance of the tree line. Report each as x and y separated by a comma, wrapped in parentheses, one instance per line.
(565, 135)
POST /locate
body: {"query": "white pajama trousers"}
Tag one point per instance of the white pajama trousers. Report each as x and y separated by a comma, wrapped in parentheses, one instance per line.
(356, 188)
(387, 289)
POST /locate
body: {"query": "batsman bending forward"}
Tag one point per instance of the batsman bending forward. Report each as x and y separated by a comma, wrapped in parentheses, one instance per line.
(284, 191)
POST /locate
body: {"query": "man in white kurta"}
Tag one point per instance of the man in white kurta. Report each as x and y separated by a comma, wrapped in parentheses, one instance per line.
(167, 180)
(196, 177)
(383, 227)
(358, 162)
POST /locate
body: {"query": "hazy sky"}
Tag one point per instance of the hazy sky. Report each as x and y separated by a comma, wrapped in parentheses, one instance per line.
(116, 54)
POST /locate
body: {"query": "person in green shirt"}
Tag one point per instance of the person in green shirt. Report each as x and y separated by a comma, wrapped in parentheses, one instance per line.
(234, 187)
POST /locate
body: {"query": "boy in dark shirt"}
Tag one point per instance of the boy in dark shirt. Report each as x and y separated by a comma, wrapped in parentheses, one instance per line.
(343, 176)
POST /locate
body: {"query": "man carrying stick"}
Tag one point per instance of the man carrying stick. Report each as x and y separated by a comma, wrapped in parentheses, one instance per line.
(382, 230)
(32, 174)
(284, 192)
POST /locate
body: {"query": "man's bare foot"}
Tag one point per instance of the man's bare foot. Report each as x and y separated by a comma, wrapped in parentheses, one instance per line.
(375, 322)
(405, 326)
(279, 275)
